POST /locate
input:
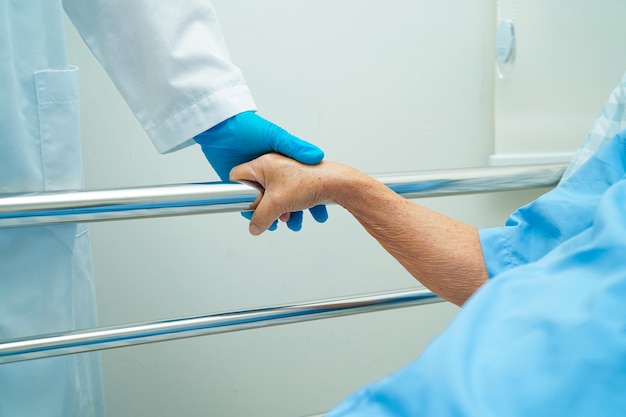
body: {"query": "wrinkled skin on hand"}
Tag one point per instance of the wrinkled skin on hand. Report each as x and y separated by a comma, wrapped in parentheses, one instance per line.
(287, 186)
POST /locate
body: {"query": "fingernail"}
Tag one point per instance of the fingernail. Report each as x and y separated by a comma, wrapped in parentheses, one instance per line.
(255, 230)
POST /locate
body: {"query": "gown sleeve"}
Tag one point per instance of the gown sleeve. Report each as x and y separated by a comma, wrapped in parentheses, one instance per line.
(534, 230)
(169, 61)
(546, 339)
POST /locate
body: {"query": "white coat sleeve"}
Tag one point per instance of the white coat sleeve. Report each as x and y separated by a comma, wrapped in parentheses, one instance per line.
(169, 61)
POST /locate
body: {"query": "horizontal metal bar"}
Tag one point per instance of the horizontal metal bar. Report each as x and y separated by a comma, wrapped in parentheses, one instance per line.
(169, 200)
(93, 205)
(473, 180)
(126, 203)
(113, 337)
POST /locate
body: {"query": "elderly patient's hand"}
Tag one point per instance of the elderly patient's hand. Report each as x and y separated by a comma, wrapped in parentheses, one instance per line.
(287, 186)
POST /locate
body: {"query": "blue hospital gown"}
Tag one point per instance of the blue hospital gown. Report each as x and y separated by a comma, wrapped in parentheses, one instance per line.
(546, 336)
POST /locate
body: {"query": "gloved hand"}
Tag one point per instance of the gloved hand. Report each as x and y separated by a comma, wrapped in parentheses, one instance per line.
(247, 136)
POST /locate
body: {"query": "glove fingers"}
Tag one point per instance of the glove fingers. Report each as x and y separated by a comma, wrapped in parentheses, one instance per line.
(295, 221)
(319, 213)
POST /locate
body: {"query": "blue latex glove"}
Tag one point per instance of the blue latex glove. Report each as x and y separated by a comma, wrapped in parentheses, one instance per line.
(247, 136)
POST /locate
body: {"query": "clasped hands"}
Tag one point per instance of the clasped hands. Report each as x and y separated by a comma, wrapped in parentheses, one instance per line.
(247, 136)
(287, 186)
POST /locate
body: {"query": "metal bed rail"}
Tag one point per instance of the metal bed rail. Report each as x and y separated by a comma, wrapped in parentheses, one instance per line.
(160, 331)
(185, 199)
(98, 205)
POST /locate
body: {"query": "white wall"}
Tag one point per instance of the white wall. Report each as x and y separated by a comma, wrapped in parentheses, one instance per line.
(569, 58)
(384, 86)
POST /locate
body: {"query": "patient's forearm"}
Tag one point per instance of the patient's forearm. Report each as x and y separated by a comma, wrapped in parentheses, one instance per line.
(443, 254)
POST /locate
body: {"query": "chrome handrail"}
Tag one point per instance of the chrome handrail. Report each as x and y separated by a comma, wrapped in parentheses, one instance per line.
(113, 337)
(94, 205)
(184, 199)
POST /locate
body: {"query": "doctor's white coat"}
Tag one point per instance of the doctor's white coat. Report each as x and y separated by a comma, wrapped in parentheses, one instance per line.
(170, 63)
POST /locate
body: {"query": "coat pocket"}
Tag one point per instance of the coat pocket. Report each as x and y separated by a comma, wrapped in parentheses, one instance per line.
(59, 128)
(59, 131)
